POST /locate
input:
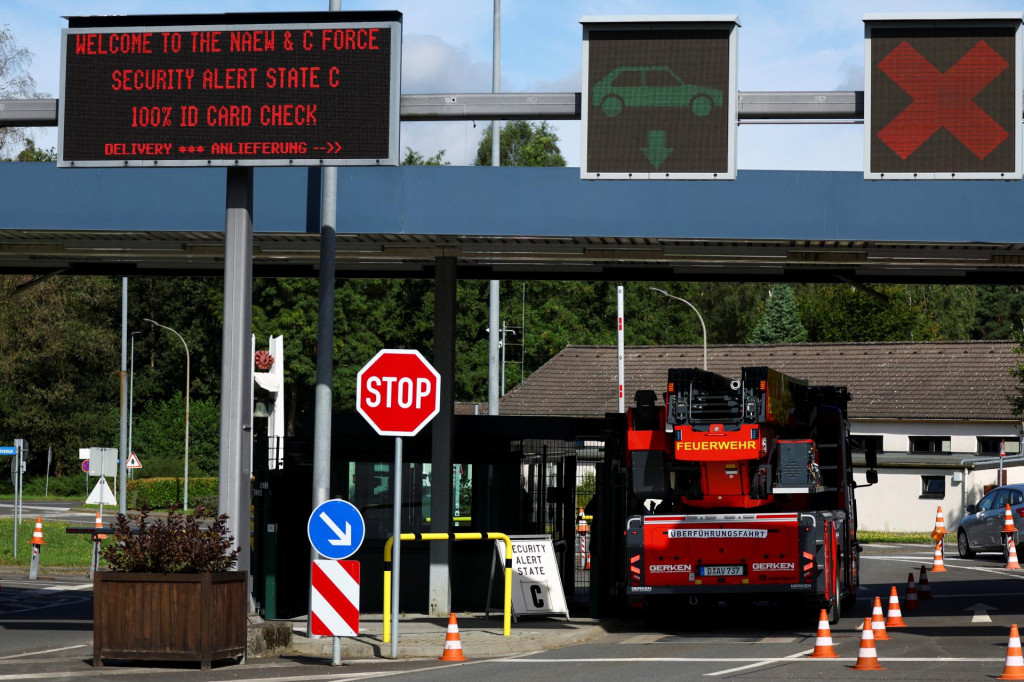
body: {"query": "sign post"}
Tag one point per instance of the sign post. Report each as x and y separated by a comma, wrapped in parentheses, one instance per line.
(398, 392)
(335, 530)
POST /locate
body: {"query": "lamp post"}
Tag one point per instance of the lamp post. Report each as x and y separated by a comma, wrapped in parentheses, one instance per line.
(188, 383)
(702, 327)
(505, 331)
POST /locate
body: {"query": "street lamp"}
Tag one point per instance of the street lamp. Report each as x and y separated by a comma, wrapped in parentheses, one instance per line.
(188, 383)
(703, 328)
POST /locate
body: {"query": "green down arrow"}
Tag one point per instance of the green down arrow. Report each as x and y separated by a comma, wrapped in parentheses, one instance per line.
(656, 152)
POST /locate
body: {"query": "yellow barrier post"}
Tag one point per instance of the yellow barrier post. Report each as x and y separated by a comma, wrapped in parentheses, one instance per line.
(507, 605)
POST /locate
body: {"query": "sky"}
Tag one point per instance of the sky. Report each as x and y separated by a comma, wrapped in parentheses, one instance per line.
(794, 45)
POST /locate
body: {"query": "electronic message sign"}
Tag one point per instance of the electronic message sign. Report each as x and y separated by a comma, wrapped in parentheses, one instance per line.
(942, 98)
(659, 98)
(296, 88)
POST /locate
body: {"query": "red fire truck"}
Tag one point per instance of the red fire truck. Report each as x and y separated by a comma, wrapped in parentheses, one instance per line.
(741, 489)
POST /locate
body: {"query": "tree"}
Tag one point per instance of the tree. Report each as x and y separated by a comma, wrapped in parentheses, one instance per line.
(780, 321)
(842, 313)
(31, 153)
(522, 143)
(999, 309)
(15, 83)
(416, 159)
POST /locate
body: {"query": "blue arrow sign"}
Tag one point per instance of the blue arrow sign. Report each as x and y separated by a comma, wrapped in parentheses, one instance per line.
(9, 450)
(336, 529)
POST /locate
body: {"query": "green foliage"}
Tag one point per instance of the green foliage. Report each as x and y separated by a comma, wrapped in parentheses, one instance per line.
(585, 490)
(158, 436)
(16, 82)
(416, 159)
(165, 493)
(890, 536)
(833, 313)
(62, 551)
(182, 544)
(31, 153)
(998, 310)
(780, 321)
(521, 143)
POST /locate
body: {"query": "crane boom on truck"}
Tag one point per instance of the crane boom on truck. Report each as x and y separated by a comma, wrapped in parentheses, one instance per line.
(741, 489)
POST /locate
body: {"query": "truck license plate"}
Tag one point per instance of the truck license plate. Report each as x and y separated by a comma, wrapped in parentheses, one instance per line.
(721, 570)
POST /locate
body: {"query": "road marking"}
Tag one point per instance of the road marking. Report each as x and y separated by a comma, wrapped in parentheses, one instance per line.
(758, 665)
(954, 563)
(45, 651)
(760, 660)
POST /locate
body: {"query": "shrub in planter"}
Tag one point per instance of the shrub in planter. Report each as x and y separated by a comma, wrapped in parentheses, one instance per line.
(170, 594)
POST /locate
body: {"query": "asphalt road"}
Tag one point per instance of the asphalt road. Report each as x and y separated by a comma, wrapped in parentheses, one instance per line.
(960, 634)
(57, 510)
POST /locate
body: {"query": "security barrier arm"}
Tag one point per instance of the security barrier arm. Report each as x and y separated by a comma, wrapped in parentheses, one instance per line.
(507, 624)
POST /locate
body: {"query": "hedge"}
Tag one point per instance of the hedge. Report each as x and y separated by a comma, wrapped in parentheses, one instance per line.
(162, 493)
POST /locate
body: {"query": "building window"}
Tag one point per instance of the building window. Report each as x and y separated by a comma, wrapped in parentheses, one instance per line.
(933, 487)
(930, 444)
(990, 445)
(860, 443)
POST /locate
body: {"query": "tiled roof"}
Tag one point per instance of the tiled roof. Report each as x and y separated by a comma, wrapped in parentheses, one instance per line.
(949, 380)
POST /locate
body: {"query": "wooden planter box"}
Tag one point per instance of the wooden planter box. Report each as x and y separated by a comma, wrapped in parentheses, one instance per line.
(169, 617)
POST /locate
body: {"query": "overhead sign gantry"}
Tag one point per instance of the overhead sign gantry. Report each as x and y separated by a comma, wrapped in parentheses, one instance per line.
(231, 90)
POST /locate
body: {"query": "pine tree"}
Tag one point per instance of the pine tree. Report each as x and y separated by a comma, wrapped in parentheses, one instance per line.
(780, 321)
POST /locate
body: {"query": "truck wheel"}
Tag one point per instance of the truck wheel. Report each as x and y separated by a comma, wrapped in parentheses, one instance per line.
(963, 548)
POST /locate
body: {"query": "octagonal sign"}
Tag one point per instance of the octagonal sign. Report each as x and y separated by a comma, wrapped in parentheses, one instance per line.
(398, 392)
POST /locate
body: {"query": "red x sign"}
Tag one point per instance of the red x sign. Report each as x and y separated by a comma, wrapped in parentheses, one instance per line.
(943, 100)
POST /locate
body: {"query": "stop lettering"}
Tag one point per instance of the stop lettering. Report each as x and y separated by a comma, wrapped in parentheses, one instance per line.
(398, 392)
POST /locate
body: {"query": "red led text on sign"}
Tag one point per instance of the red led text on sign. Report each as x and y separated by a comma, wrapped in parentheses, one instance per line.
(303, 91)
(943, 100)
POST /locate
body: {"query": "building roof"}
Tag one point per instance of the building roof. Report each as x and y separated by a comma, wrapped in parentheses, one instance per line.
(944, 380)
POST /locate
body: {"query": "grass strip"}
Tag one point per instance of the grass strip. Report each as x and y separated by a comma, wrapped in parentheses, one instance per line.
(61, 549)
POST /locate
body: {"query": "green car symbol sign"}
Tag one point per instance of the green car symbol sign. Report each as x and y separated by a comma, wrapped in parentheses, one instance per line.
(652, 86)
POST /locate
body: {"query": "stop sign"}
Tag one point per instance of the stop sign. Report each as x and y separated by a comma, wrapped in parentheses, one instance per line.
(398, 392)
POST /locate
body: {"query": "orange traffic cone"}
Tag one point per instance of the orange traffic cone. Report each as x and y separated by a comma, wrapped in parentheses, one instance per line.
(894, 617)
(823, 644)
(912, 604)
(924, 590)
(37, 534)
(1013, 668)
(452, 642)
(581, 523)
(867, 657)
(99, 524)
(940, 525)
(1008, 526)
(878, 621)
(586, 567)
(938, 565)
(1012, 559)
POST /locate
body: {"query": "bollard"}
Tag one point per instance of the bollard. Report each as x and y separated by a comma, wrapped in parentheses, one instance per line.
(36, 542)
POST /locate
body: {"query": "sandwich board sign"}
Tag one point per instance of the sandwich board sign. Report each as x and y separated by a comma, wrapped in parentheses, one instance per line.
(536, 583)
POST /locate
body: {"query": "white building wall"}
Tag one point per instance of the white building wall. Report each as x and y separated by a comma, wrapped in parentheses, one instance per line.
(963, 436)
(895, 503)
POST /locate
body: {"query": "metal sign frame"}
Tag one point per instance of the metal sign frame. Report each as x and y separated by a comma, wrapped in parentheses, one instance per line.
(639, 23)
(954, 21)
(292, 21)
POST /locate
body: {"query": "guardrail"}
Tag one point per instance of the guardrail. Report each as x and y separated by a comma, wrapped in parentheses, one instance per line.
(507, 624)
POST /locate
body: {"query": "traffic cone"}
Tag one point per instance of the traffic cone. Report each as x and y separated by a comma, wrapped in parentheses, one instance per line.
(912, 604)
(938, 565)
(867, 657)
(581, 523)
(99, 524)
(1012, 559)
(37, 534)
(1008, 526)
(452, 642)
(823, 644)
(940, 525)
(924, 590)
(587, 566)
(1013, 668)
(894, 617)
(878, 620)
